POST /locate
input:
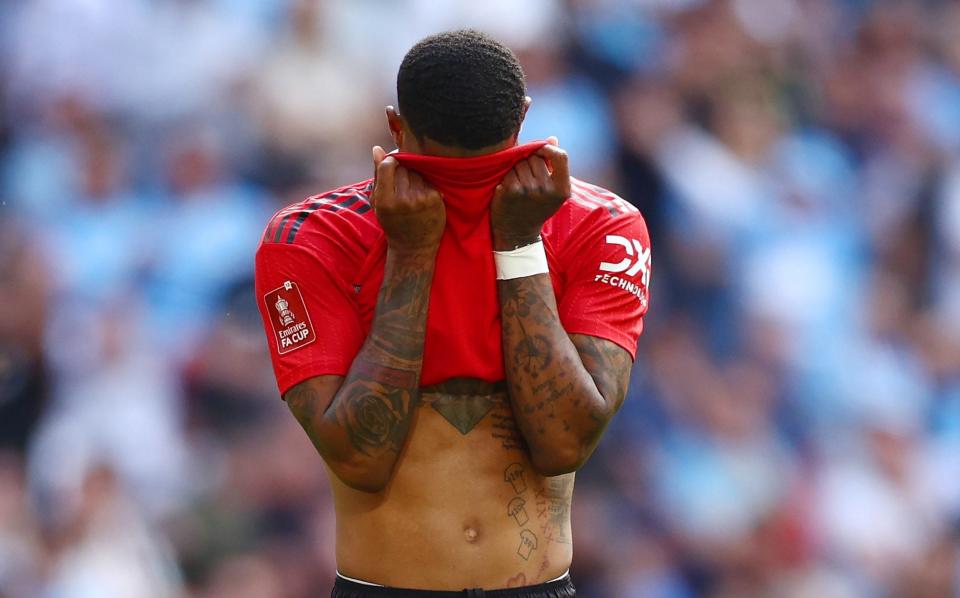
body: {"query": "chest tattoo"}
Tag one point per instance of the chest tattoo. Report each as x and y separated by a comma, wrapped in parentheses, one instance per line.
(462, 402)
(463, 412)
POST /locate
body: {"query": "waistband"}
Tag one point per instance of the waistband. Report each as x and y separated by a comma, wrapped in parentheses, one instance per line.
(373, 589)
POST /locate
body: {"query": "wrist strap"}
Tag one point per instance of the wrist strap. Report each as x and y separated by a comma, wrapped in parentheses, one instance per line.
(528, 260)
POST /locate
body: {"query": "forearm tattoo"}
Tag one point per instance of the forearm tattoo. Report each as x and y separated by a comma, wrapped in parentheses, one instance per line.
(608, 364)
(561, 386)
(370, 414)
(376, 402)
(374, 409)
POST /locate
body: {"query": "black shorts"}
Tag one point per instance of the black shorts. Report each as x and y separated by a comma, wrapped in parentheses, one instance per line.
(560, 588)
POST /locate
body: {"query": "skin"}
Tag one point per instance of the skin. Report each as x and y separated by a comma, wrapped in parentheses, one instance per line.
(466, 483)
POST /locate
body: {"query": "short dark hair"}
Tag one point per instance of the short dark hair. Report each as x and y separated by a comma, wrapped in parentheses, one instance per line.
(461, 88)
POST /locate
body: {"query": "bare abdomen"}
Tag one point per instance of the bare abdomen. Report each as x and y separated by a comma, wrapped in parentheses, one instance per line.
(464, 508)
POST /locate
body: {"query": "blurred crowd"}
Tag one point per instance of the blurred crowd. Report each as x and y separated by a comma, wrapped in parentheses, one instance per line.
(793, 423)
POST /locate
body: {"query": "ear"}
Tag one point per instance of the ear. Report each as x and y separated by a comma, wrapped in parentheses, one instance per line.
(395, 124)
(527, 100)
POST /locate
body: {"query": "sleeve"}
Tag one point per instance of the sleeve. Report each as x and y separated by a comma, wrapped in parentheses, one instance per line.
(312, 325)
(606, 286)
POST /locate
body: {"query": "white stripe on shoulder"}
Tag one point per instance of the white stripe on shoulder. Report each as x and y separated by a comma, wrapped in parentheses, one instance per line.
(608, 197)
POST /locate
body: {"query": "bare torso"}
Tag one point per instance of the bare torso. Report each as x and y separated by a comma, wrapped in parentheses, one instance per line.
(464, 508)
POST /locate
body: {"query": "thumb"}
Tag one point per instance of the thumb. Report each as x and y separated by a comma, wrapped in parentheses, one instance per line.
(552, 140)
(386, 167)
(557, 160)
(378, 155)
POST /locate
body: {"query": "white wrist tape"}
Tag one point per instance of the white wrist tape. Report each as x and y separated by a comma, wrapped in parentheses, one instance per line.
(526, 261)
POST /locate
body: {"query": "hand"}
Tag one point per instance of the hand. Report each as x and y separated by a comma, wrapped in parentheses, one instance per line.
(409, 210)
(529, 194)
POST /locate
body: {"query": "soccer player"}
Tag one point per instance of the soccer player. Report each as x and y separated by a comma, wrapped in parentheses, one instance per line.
(455, 334)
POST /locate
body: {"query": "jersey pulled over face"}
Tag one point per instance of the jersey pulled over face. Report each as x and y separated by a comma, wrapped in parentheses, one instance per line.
(320, 265)
(464, 507)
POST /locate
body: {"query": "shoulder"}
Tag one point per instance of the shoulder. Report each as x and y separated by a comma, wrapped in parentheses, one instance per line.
(592, 211)
(345, 210)
(336, 227)
(587, 198)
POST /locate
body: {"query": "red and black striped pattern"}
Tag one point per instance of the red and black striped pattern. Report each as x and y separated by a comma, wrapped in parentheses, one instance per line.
(355, 199)
(286, 223)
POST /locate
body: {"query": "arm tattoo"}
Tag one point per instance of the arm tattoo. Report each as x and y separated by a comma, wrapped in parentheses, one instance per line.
(375, 410)
(376, 402)
(400, 320)
(564, 389)
(609, 366)
(369, 417)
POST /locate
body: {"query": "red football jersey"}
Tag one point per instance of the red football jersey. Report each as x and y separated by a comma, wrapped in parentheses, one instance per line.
(320, 264)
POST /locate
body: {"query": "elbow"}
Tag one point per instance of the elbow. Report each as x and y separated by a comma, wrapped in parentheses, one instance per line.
(569, 452)
(369, 485)
(556, 461)
(362, 477)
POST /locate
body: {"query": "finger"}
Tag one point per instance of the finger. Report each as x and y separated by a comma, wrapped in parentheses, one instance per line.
(540, 171)
(413, 178)
(557, 158)
(525, 175)
(429, 190)
(510, 182)
(552, 140)
(416, 184)
(378, 155)
(402, 182)
(385, 173)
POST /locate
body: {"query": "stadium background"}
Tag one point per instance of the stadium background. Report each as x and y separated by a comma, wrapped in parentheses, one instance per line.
(793, 424)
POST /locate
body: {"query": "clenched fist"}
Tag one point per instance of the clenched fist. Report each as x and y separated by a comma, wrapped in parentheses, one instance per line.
(529, 194)
(409, 210)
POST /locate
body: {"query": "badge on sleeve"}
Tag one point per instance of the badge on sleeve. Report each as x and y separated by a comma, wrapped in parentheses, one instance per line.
(289, 318)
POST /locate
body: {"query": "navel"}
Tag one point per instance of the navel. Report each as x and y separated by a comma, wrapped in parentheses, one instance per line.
(471, 531)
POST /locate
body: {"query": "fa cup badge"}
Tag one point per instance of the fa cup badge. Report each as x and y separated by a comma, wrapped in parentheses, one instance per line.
(286, 316)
